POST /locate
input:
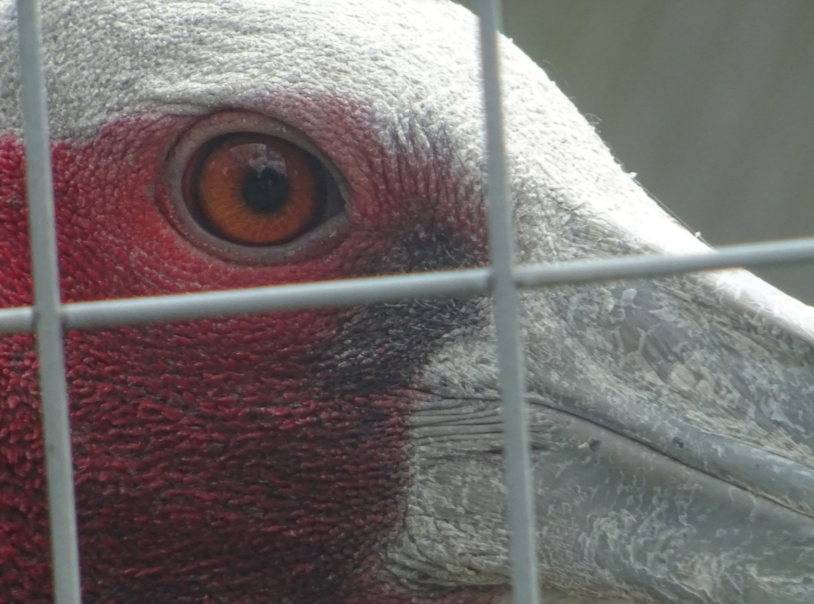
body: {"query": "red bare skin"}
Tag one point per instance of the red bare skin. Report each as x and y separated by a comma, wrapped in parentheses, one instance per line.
(223, 460)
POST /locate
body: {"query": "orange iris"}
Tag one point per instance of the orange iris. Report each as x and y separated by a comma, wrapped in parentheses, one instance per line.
(257, 189)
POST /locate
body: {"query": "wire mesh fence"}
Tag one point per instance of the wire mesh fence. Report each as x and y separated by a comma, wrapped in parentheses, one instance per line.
(49, 317)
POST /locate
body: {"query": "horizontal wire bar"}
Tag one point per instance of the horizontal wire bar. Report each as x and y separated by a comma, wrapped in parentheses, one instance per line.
(17, 320)
(88, 315)
(627, 267)
(371, 290)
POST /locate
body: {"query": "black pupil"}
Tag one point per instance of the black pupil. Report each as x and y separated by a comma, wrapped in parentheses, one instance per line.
(265, 191)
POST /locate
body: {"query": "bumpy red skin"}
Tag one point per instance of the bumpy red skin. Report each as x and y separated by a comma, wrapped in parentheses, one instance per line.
(249, 459)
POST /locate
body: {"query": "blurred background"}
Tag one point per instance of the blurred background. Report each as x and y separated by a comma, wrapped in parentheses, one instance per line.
(711, 102)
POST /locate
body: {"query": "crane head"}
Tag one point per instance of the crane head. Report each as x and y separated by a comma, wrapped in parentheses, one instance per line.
(355, 455)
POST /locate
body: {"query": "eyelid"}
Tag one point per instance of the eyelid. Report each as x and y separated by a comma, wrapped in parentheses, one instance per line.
(201, 132)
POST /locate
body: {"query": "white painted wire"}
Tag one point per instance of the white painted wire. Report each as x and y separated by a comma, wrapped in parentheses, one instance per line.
(57, 434)
(442, 284)
(505, 301)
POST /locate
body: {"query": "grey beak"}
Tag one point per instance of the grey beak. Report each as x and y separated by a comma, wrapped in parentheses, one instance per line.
(672, 443)
(695, 404)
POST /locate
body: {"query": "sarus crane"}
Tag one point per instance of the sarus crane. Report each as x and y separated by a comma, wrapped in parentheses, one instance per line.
(354, 455)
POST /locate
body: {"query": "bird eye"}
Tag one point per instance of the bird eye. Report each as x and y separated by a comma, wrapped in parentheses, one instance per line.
(255, 189)
(252, 188)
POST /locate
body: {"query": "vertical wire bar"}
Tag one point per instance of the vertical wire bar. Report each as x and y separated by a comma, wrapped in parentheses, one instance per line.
(47, 306)
(519, 481)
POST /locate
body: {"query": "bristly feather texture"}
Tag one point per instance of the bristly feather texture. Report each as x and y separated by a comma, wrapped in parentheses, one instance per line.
(354, 456)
